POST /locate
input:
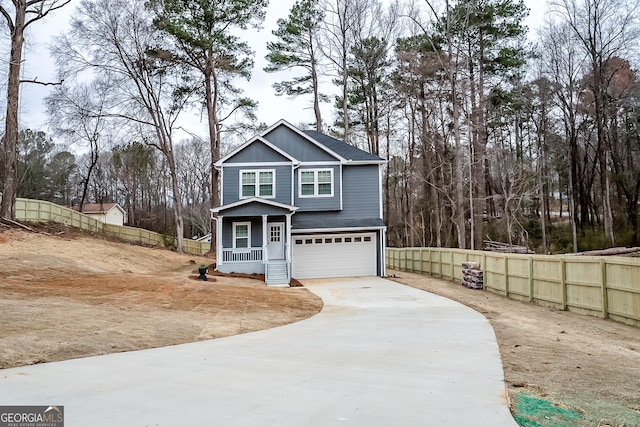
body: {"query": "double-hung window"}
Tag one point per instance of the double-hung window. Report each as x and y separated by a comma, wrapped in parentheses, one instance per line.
(257, 183)
(241, 234)
(316, 182)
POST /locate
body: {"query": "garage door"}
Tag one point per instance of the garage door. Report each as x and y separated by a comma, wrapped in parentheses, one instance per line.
(334, 255)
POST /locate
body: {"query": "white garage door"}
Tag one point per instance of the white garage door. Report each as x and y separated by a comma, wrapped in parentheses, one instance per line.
(334, 255)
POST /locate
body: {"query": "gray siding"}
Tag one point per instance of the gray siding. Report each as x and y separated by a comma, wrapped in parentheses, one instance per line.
(257, 152)
(227, 231)
(360, 199)
(307, 204)
(256, 228)
(297, 146)
(231, 183)
(361, 191)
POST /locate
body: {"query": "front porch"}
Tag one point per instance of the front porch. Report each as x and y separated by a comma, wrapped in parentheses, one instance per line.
(253, 261)
(255, 244)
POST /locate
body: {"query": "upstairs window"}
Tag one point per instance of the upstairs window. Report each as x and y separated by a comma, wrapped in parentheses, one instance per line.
(258, 183)
(316, 183)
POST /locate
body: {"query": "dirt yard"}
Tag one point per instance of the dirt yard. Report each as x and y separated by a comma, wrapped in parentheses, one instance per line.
(65, 295)
(584, 365)
(69, 295)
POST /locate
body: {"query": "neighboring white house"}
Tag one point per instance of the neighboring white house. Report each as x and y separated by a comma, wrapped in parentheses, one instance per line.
(109, 213)
(205, 238)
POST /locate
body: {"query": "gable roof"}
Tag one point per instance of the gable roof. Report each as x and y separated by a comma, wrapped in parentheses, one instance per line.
(342, 151)
(254, 200)
(251, 141)
(100, 208)
(349, 152)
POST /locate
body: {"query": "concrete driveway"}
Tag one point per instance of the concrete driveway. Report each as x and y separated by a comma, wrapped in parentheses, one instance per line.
(378, 354)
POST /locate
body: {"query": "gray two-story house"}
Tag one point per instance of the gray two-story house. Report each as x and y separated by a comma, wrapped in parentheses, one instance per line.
(300, 204)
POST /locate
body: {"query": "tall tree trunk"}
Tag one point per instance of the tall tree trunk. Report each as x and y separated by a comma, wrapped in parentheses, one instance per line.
(477, 172)
(214, 140)
(409, 181)
(459, 156)
(10, 189)
(387, 183)
(482, 172)
(177, 205)
(85, 185)
(345, 99)
(316, 97)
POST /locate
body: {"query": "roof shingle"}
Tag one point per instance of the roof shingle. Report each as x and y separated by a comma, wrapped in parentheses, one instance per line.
(341, 148)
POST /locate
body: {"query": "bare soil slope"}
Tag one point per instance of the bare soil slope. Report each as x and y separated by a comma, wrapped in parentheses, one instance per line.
(68, 295)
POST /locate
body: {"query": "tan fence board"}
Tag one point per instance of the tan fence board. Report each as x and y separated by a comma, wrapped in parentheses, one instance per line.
(595, 286)
(39, 210)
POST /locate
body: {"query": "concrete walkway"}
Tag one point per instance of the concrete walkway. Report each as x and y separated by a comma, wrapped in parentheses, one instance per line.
(379, 354)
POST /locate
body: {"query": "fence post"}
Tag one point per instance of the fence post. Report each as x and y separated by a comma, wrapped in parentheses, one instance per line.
(563, 282)
(605, 299)
(452, 272)
(430, 263)
(506, 276)
(530, 278)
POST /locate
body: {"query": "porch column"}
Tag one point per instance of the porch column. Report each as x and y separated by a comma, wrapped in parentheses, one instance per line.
(383, 254)
(288, 228)
(219, 253)
(264, 239)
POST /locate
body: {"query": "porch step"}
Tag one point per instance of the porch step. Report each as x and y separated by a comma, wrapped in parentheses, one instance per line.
(277, 273)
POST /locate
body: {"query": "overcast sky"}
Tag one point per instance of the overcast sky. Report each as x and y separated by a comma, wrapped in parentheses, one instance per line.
(38, 64)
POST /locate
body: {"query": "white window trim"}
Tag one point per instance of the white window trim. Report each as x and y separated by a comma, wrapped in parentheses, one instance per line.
(315, 183)
(257, 172)
(248, 224)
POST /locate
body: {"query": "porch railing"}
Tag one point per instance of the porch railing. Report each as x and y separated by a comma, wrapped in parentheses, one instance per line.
(242, 255)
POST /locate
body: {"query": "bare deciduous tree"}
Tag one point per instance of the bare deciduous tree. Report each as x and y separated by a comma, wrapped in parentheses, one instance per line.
(25, 13)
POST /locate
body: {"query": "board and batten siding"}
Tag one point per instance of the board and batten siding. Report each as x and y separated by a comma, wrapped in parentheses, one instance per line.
(231, 182)
(297, 146)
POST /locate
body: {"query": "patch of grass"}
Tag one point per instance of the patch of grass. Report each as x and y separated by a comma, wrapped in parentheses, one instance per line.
(533, 410)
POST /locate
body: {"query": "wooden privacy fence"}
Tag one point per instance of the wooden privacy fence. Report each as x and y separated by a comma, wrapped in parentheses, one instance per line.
(41, 211)
(595, 286)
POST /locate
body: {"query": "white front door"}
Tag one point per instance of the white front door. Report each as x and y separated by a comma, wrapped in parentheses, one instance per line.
(275, 240)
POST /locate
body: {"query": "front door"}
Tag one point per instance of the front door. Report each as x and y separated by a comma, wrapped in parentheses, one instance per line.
(275, 240)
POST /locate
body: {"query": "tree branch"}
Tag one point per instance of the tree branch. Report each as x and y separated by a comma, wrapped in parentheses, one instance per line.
(6, 15)
(35, 80)
(42, 13)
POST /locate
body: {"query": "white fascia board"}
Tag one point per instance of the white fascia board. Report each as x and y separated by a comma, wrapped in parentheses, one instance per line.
(336, 230)
(305, 136)
(321, 163)
(254, 165)
(255, 199)
(367, 162)
(251, 141)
